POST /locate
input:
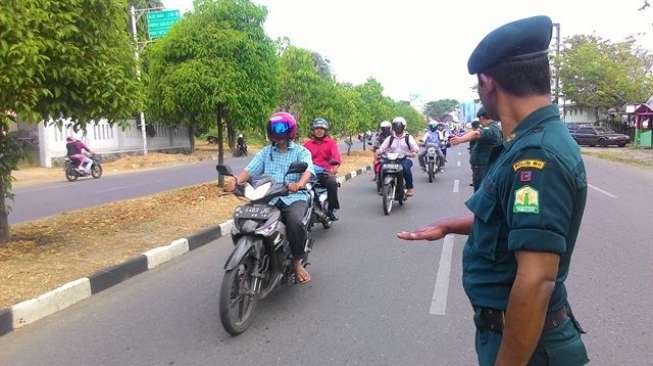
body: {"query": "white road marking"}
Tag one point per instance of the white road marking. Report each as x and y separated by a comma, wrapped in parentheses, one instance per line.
(441, 289)
(602, 191)
(456, 186)
(458, 163)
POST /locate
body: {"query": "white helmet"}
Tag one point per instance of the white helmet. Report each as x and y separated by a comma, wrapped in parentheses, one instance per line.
(401, 120)
(385, 124)
(433, 123)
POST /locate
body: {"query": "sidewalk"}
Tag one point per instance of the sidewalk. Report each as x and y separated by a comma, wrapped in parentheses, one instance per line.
(627, 155)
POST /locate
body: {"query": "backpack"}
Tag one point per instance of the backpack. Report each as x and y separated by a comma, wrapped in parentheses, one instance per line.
(392, 139)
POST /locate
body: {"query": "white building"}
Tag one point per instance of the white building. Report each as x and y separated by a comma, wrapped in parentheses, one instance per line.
(108, 140)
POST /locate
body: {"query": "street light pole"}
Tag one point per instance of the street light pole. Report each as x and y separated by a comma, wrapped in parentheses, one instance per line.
(138, 73)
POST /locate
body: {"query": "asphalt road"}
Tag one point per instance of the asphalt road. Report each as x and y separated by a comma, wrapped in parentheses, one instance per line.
(373, 301)
(34, 202)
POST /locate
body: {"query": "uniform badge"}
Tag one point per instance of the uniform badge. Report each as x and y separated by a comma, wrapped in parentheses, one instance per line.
(529, 163)
(526, 200)
(525, 176)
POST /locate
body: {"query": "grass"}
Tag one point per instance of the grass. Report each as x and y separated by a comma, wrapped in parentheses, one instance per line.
(47, 253)
(628, 155)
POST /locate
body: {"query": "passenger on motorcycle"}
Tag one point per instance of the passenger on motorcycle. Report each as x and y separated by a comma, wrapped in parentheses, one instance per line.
(273, 161)
(444, 136)
(432, 137)
(385, 131)
(325, 153)
(401, 141)
(77, 152)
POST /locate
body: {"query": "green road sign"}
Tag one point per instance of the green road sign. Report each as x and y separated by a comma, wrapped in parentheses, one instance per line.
(160, 22)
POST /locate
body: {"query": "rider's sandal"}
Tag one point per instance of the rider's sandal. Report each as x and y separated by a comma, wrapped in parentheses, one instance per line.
(304, 282)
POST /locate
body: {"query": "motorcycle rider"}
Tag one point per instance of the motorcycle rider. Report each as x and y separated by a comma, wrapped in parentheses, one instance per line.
(273, 161)
(401, 141)
(432, 137)
(77, 152)
(385, 131)
(241, 145)
(324, 151)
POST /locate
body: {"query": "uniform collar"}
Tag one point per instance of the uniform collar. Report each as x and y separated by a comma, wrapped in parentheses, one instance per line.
(531, 122)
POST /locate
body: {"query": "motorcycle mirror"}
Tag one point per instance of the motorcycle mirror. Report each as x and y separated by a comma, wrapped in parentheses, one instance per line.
(334, 162)
(297, 167)
(224, 170)
(369, 143)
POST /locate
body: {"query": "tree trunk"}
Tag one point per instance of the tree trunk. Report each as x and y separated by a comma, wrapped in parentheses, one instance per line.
(220, 144)
(351, 142)
(191, 136)
(231, 137)
(4, 220)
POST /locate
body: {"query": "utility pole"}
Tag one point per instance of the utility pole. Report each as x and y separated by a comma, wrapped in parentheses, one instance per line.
(138, 74)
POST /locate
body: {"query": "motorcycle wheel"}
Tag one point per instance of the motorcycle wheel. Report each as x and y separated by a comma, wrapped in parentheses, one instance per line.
(388, 198)
(431, 170)
(96, 170)
(236, 305)
(71, 176)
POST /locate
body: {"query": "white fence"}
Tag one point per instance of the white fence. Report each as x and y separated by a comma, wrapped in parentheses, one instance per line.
(104, 138)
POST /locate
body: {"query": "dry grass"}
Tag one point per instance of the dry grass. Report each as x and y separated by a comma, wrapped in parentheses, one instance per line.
(627, 155)
(47, 253)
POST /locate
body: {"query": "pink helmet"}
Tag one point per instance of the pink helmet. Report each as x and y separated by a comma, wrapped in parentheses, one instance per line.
(282, 126)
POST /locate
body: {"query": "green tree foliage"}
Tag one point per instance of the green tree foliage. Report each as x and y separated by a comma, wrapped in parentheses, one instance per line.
(62, 59)
(437, 108)
(601, 74)
(217, 56)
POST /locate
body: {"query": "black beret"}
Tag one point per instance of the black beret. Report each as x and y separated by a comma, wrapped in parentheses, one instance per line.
(522, 39)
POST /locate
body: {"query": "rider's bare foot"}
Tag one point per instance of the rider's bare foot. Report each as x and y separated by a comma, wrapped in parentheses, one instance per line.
(410, 192)
(302, 275)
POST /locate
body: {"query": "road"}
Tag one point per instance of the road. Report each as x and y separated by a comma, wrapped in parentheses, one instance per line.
(34, 202)
(373, 301)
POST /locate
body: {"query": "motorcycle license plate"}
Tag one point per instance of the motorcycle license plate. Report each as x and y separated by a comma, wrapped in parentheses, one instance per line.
(252, 212)
(392, 166)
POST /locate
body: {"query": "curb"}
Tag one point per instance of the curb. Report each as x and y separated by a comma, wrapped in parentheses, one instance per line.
(29, 311)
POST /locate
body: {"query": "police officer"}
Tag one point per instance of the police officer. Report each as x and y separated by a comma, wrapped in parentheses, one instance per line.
(527, 213)
(485, 139)
(471, 147)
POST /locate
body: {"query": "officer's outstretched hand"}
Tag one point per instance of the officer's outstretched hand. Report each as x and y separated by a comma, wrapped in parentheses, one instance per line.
(426, 233)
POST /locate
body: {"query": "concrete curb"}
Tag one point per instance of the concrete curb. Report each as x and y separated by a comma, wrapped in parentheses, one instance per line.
(29, 311)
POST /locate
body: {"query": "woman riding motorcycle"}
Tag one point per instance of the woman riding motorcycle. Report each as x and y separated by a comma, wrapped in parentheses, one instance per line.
(385, 130)
(326, 158)
(401, 141)
(273, 161)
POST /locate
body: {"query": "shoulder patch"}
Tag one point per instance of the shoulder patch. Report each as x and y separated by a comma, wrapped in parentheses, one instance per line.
(529, 163)
(526, 201)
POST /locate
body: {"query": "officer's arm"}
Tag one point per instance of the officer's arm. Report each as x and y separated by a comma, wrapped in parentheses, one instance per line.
(527, 306)
(469, 136)
(438, 230)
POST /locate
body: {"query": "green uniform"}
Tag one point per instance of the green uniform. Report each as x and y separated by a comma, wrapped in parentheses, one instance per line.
(532, 199)
(480, 151)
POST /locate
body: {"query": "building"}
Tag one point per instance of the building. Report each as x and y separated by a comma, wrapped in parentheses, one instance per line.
(47, 144)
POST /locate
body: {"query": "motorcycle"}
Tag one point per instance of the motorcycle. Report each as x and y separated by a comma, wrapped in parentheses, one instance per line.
(241, 150)
(72, 173)
(321, 203)
(261, 260)
(392, 180)
(432, 161)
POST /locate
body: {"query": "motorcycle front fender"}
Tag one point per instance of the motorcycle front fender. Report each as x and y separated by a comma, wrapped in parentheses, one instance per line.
(244, 245)
(388, 179)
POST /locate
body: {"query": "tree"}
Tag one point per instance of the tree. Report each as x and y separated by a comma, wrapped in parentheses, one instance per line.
(58, 61)
(436, 109)
(216, 61)
(600, 74)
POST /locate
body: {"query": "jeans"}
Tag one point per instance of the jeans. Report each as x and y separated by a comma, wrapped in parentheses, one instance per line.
(292, 217)
(331, 184)
(408, 174)
(422, 157)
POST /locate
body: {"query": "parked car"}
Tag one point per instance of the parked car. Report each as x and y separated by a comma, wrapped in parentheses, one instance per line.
(573, 126)
(592, 136)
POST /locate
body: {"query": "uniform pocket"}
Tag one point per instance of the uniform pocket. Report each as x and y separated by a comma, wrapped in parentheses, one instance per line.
(485, 233)
(565, 348)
